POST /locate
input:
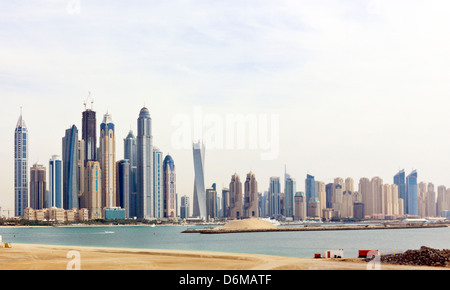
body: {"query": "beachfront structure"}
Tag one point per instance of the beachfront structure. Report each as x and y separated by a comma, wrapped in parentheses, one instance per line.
(169, 187)
(144, 154)
(199, 208)
(38, 186)
(107, 152)
(20, 167)
(70, 168)
(55, 182)
(251, 196)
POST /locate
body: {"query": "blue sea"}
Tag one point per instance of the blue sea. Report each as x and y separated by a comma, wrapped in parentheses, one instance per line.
(290, 244)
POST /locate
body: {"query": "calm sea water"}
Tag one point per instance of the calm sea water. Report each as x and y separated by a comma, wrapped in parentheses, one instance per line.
(291, 244)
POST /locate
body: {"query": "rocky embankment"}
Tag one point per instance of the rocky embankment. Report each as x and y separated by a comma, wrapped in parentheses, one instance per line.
(425, 256)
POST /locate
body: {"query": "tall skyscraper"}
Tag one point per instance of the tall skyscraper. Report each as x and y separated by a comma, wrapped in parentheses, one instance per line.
(251, 196)
(169, 187)
(300, 206)
(274, 197)
(211, 202)
(81, 161)
(226, 202)
(129, 147)
(89, 135)
(108, 161)
(123, 185)
(184, 207)
(377, 195)
(70, 168)
(20, 167)
(93, 189)
(158, 183)
(289, 193)
(144, 155)
(399, 180)
(55, 182)
(310, 187)
(411, 193)
(199, 181)
(329, 195)
(38, 186)
(235, 197)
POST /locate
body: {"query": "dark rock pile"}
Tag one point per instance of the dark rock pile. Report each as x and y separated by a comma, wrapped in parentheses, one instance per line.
(423, 257)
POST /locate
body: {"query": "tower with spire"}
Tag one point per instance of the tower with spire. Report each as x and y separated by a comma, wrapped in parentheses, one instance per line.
(20, 167)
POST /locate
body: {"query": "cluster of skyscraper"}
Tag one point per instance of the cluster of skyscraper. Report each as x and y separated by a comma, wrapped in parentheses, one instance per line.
(372, 199)
(141, 185)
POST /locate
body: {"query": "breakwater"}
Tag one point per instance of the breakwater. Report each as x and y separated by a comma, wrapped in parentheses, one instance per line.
(314, 228)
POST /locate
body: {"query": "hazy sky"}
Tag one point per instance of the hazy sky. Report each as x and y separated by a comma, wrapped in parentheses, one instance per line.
(360, 88)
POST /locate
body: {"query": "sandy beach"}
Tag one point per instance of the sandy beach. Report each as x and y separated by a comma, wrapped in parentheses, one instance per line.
(49, 257)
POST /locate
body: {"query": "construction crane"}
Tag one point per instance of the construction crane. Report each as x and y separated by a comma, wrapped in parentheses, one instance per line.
(92, 101)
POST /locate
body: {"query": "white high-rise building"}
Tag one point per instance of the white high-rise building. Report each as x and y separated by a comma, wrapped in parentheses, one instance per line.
(108, 162)
(199, 209)
(158, 182)
(144, 154)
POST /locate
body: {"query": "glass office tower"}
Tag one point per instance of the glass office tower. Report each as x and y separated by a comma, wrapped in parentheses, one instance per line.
(70, 168)
(411, 194)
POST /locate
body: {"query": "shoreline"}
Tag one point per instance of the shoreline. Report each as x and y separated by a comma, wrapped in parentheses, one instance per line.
(52, 257)
(312, 228)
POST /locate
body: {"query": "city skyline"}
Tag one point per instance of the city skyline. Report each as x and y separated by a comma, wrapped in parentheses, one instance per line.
(360, 88)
